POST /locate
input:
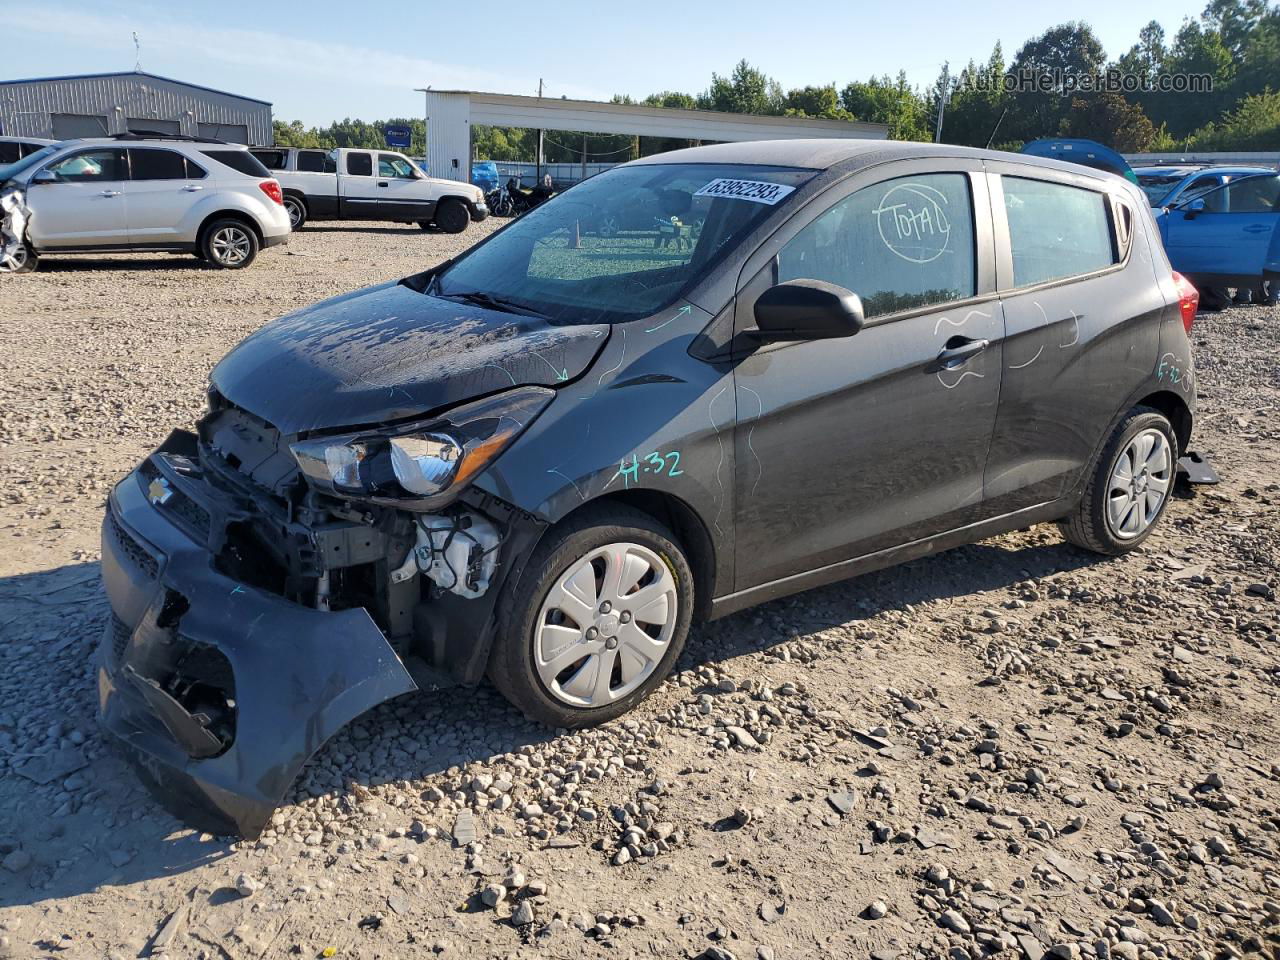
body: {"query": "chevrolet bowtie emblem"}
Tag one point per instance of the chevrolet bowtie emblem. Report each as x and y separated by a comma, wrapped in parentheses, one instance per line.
(159, 491)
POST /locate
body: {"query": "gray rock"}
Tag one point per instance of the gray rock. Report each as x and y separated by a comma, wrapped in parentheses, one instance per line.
(245, 885)
(523, 915)
(952, 920)
(876, 909)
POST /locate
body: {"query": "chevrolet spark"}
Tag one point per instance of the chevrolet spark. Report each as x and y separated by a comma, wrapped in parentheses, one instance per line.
(542, 461)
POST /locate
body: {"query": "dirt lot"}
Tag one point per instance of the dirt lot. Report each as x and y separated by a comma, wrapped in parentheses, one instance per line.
(1014, 747)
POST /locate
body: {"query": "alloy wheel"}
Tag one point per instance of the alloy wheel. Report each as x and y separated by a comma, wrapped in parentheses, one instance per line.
(605, 625)
(230, 246)
(294, 209)
(17, 260)
(1140, 482)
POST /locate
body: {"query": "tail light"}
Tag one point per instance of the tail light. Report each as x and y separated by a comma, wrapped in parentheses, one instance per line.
(1188, 300)
(272, 189)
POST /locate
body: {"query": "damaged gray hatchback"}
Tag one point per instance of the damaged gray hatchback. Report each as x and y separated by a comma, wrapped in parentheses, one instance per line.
(542, 461)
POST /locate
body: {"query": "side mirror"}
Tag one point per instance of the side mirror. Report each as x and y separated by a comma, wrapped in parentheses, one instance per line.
(807, 310)
(1189, 210)
(43, 176)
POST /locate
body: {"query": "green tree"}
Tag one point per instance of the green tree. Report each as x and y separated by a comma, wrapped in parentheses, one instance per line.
(671, 100)
(891, 102)
(821, 102)
(1111, 120)
(977, 110)
(1045, 67)
(1253, 125)
(746, 90)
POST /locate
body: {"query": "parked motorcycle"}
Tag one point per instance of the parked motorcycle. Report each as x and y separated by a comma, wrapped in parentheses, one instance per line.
(522, 200)
(499, 202)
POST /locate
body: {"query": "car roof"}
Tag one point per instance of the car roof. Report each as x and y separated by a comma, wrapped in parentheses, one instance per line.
(143, 141)
(822, 154)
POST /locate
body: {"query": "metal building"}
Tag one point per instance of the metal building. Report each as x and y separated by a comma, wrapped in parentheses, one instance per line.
(100, 104)
(451, 113)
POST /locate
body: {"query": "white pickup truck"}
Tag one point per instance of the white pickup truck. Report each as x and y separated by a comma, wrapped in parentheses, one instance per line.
(351, 184)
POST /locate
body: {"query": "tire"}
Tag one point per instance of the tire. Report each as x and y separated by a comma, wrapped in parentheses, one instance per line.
(297, 209)
(229, 244)
(426, 225)
(1094, 525)
(25, 260)
(537, 625)
(452, 216)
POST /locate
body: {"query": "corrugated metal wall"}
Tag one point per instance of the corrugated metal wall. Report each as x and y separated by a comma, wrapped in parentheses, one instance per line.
(449, 136)
(28, 108)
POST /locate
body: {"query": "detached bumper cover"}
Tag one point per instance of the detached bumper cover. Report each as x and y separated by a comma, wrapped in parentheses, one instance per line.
(294, 676)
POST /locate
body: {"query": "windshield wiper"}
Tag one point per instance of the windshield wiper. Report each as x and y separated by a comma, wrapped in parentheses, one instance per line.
(493, 302)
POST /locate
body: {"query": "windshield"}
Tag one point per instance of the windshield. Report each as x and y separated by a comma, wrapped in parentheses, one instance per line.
(10, 170)
(621, 245)
(1157, 186)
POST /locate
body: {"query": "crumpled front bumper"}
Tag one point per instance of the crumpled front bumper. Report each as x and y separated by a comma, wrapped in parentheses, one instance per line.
(292, 676)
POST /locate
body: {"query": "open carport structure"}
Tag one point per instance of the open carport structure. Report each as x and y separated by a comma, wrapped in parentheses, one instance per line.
(450, 115)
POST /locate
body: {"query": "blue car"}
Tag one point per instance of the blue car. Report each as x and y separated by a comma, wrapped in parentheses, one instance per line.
(1167, 186)
(1088, 153)
(484, 174)
(1227, 237)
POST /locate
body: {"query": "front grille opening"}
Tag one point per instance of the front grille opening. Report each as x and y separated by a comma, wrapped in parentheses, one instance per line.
(175, 605)
(247, 559)
(120, 634)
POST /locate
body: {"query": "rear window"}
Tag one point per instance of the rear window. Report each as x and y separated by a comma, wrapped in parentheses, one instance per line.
(315, 161)
(1056, 231)
(8, 152)
(239, 160)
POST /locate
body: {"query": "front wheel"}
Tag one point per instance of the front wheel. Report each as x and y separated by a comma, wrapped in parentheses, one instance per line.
(22, 260)
(1130, 487)
(229, 244)
(596, 622)
(452, 216)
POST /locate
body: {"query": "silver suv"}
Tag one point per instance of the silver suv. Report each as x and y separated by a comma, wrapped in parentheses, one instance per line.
(140, 193)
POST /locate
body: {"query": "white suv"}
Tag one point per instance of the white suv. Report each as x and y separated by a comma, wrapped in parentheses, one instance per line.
(143, 193)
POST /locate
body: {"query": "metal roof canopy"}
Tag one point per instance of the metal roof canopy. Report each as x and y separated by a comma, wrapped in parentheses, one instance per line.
(450, 114)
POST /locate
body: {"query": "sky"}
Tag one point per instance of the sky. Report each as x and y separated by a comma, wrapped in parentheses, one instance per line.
(327, 60)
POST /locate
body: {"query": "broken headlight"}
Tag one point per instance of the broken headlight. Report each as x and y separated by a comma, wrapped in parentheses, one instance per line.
(426, 461)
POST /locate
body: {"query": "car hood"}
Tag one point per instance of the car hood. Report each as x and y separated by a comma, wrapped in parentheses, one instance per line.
(390, 353)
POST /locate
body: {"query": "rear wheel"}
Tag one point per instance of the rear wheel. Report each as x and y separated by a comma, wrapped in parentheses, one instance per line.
(452, 216)
(229, 244)
(597, 621)
(297, 211)
(22, 260)
(1129, 488)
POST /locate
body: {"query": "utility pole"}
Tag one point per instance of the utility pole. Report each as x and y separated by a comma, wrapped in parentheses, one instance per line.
(944, 95)
(584, 156)
(539, 163)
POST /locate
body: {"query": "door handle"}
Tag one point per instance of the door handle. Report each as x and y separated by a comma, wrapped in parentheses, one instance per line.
(958, 350)
(382, 183)
(192, 188)
(110, 193)
(1257, 228)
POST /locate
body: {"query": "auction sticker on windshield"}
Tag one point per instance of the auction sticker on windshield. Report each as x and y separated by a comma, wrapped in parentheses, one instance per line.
(757, 191)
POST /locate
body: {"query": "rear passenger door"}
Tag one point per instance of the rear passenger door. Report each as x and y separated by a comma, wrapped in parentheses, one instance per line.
(162, 188)
(847, 447)
(1082, 311)
(357, 186)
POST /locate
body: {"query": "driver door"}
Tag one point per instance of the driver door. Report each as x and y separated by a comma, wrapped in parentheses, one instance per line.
(846, 447)
(401, 194)
(1232, 234)
(85, 206)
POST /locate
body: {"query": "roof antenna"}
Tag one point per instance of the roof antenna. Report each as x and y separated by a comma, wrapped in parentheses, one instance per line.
(137, 53)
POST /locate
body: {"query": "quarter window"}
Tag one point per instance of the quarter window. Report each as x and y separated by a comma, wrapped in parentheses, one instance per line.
(271, 159)
(90, 166)
(156, 165)
(899, 245)
(359, 165)
(314, 161)
(1056, 230)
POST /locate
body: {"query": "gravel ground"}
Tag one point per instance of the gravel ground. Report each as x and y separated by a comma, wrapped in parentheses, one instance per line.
(1010, 748)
